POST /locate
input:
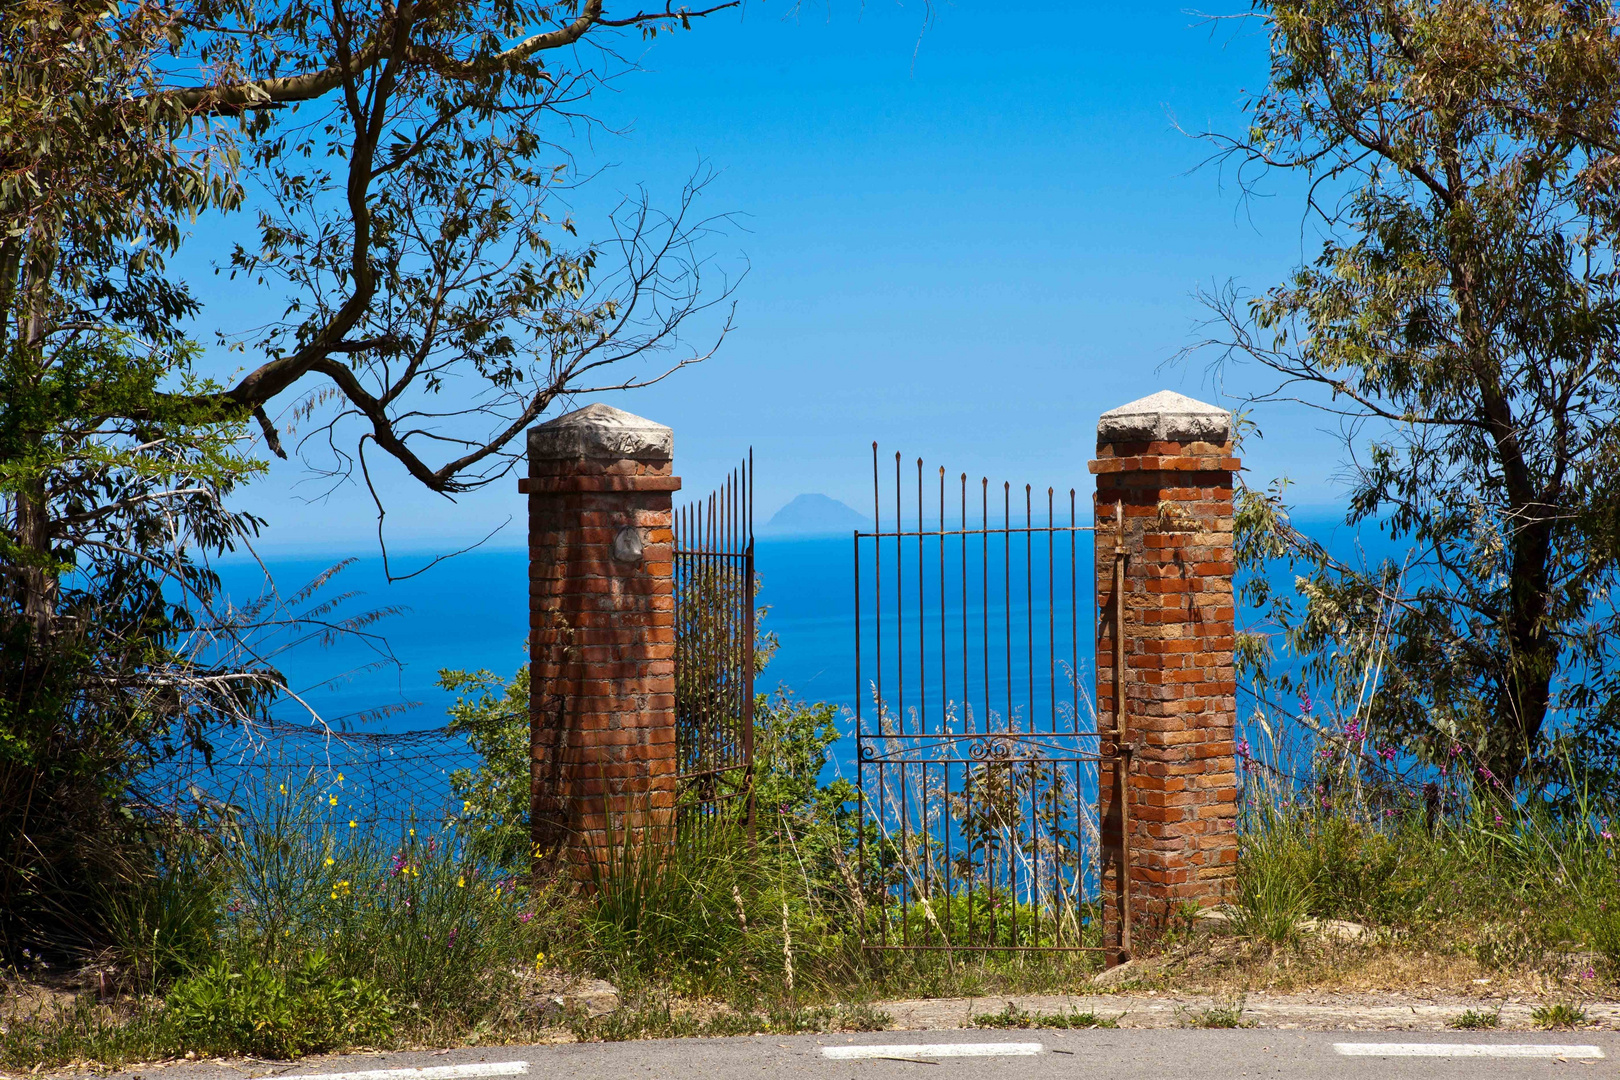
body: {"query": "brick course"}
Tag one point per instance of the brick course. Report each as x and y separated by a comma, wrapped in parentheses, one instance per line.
(602, 632)
(1174, 497)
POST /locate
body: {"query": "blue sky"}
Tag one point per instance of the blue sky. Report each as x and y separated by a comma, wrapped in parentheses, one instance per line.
(966, 237)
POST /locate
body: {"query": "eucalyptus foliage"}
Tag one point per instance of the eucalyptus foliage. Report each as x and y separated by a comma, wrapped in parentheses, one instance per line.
(1460, 322)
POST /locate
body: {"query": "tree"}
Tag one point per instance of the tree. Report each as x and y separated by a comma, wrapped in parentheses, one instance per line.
(404, 222)
(401, 159)
(1461, 320)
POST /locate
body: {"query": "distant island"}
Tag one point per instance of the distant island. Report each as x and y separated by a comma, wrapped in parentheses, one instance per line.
(815, 515)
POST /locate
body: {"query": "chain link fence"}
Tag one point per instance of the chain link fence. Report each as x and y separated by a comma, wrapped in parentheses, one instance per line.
(379, 785)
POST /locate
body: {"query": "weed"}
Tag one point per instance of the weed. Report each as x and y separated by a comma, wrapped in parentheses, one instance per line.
(661, 1020)
(1475, 1019)
(1559, 1015)
(85, 1031)
(258, 1009)
(656, 1020)
(1218, 1015)
(1014, 1017)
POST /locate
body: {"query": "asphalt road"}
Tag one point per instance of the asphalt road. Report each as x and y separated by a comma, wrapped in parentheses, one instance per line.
(1069, 1055)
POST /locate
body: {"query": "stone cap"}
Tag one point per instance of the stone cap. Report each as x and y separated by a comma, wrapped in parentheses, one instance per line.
(602, 432)
(1165, 417)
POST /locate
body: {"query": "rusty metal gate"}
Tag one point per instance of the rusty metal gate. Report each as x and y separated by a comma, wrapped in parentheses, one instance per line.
(977, 743)
(714, 650)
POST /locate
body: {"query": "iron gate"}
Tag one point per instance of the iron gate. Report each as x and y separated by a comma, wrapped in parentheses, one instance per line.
(714, 649)
(977, 748)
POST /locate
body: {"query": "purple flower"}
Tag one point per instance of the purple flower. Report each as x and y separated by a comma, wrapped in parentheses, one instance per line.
(525, 917)
(1387, 753)
(452, 942)
(1486, 773)
(1305, 704)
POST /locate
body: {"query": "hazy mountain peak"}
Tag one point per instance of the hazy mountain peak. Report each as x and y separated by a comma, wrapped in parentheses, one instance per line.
(814, 515)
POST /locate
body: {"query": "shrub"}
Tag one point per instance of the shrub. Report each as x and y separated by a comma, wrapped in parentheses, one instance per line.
(277, 1013)
(161, 920)
(494, 715)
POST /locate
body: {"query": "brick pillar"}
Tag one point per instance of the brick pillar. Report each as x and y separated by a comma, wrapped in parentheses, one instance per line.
(601, 634)
(1164, 467)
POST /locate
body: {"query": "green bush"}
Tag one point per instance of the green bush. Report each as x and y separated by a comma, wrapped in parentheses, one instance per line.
(494, 715)
(277, 1012)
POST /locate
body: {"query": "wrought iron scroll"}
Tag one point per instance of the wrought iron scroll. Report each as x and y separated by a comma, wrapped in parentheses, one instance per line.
(977, 747)
(714, 648)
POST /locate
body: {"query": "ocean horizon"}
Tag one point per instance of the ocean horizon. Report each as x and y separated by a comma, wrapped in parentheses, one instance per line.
(470, 612)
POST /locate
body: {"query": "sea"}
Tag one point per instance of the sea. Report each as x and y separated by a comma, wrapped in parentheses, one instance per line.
(372, 660)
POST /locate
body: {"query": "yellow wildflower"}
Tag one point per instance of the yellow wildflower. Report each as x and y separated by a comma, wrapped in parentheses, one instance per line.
(332, 800)
(461, 882)
(330, 860)
(283, 788)
(539, 959)
(353, 824)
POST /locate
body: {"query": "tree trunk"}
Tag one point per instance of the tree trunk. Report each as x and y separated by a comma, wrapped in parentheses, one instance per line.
(36, 578)
(1526, 687)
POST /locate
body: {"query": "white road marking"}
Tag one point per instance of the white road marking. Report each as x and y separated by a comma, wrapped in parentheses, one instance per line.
(1502, 1050)
(436, 1072)
(933, 1050)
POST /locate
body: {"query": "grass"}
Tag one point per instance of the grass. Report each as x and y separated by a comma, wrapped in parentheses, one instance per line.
(1512, 888)
(1475, 1020)
(303, 934)
(289, 931)
(1014, 1017)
